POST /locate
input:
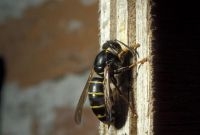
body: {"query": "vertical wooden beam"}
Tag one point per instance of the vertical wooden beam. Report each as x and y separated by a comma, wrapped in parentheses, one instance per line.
(128, 21)
(104, 19)
(144, 95)
(122, 35)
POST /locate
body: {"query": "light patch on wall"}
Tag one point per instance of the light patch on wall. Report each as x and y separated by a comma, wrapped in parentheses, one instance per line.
(15, 8)
(88, 2)
(21, 106)
(74, 25)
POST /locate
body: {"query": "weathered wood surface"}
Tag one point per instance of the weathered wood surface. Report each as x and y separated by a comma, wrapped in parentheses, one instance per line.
(129, 21)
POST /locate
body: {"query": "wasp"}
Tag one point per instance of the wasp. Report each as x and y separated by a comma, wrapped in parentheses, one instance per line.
(103, 86)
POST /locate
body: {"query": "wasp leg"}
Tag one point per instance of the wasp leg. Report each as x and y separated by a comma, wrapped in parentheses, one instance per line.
(141, 62)
(119, 70)
(134, 48)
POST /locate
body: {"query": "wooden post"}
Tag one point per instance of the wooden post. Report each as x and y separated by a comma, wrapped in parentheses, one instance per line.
(129, 21)
(144, 96)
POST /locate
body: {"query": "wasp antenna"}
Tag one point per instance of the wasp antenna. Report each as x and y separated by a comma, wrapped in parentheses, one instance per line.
(132, 49)
(122, 43)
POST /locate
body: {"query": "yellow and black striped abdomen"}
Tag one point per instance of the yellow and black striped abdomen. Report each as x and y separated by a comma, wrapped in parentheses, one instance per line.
(96, 98)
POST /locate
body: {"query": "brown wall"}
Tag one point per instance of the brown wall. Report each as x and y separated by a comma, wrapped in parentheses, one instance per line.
(50, 40)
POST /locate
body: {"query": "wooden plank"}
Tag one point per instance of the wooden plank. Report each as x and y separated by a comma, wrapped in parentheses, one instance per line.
(128, 21)
(144, 97)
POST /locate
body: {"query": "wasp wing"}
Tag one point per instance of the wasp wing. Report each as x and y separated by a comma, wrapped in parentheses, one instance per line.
(108, 91)
(120, 93)
(79, 108)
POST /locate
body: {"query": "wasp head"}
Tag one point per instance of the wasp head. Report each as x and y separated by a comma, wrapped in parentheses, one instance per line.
(113, 46)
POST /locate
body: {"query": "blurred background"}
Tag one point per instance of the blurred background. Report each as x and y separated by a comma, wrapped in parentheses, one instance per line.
(46, 50)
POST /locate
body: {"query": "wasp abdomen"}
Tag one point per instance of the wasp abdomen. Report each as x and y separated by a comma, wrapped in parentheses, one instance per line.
(96, 98)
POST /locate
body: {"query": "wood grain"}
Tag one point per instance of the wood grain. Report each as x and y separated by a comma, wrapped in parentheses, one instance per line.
(129, 21)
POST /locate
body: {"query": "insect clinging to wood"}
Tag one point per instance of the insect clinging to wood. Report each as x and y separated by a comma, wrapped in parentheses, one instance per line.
(103, 86)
